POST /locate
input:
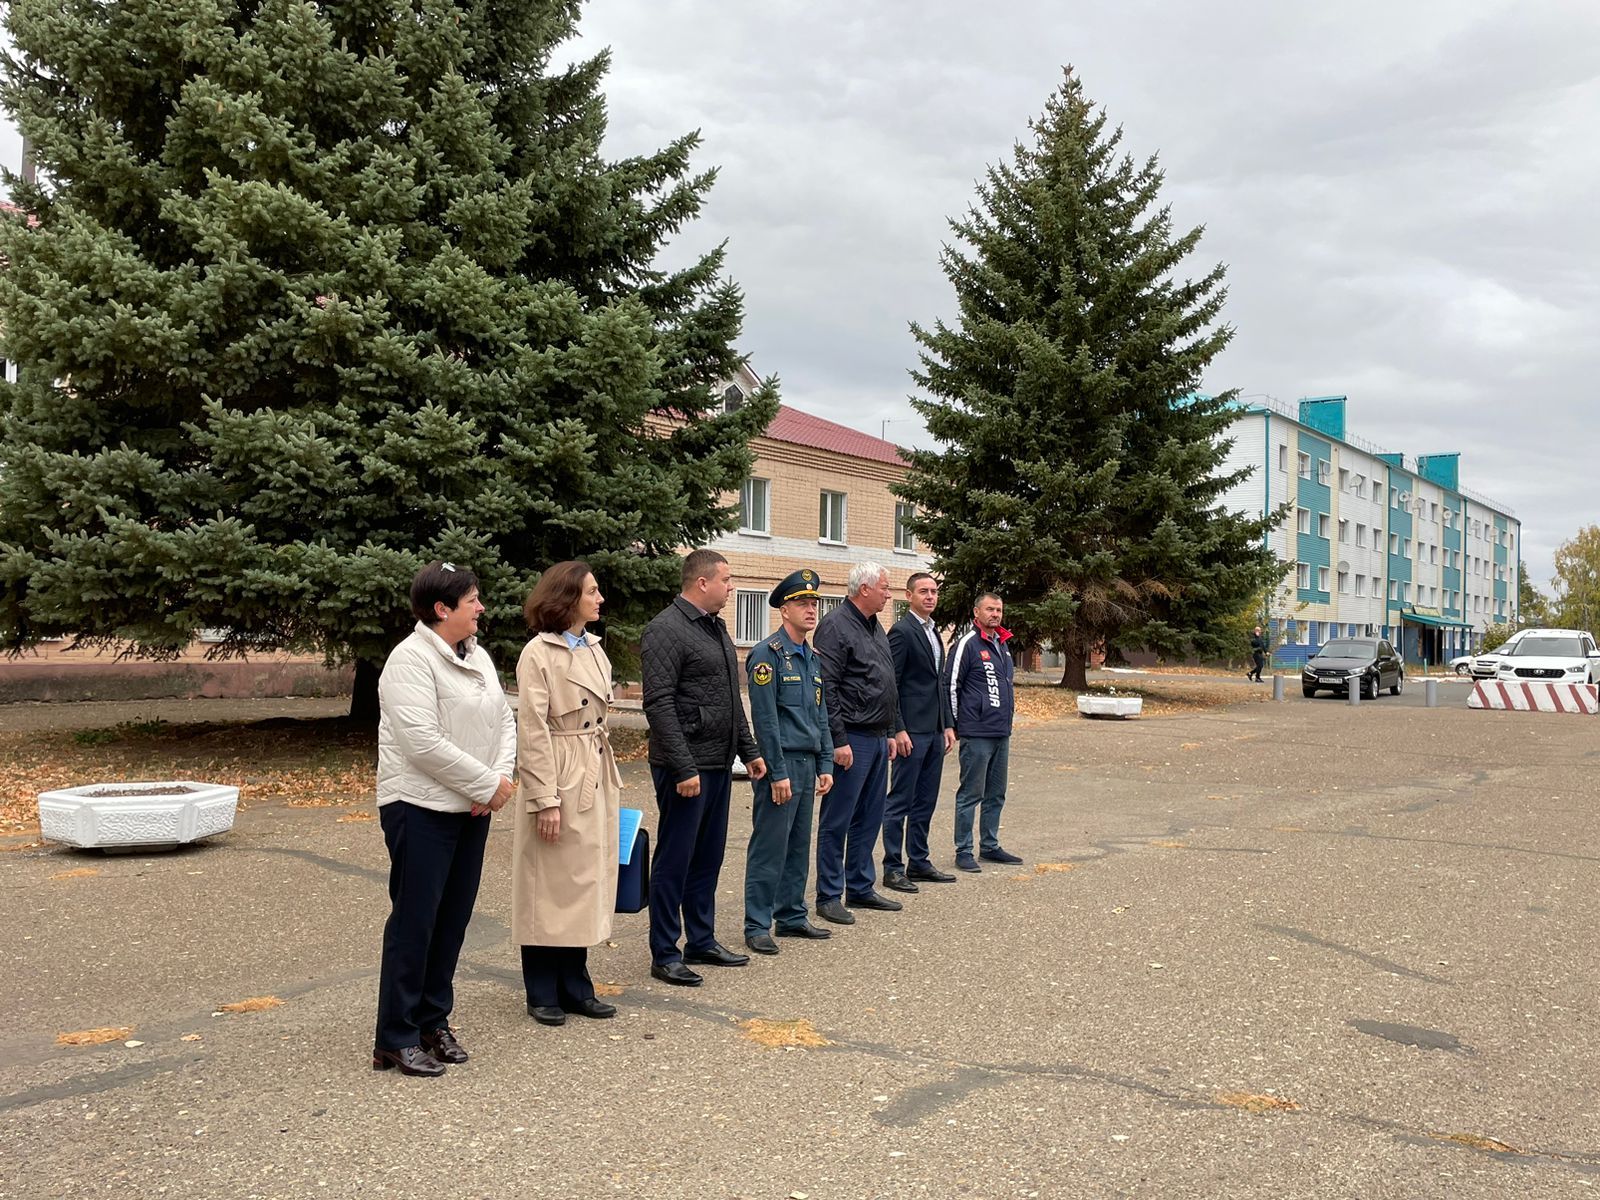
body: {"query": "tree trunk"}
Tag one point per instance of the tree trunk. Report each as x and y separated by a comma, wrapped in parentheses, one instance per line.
(1075, 674)
(364, 693)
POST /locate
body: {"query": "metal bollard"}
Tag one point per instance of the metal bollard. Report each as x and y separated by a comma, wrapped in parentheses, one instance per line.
(1430, 692)
(1277, 687)
(1353, 689)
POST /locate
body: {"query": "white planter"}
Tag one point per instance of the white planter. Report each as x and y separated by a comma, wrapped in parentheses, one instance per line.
(1110, 706)
(136, 816)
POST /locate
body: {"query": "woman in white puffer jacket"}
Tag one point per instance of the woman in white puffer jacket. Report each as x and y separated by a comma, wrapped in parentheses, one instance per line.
(446, 754)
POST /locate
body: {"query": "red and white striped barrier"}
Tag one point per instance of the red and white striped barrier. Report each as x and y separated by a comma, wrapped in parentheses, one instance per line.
(1527, 695)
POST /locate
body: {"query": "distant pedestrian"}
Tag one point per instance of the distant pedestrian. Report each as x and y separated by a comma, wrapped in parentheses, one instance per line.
(446, 752)
(790, 717)
(1258, 654)
(979, 680)
(925, 718)
(697, 725)
(564, 821)
(864, 716)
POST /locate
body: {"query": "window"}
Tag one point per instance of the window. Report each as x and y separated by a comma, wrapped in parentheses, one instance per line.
(1377, 585)
(1394, 497)
(1302, 520)
(1302, 576)
(830, 523)
(1394, 543)
(1393, 590)
(1405, 548)
(1314, 633)
(904, 539)
(1433, 555)
(1344, 480)
(732, 398)
(1322, 579)
(1324, 471)
(1344, 583)
(1303, 465)
(1361, 585)
(1405, 593)
(1433, 512)
(749, 617)
(755, 506)
(1344, 532)
(1377, 491)
(826, 604)
(1361, 534)
(1283, 458)
(901, 608)
(1322, 525)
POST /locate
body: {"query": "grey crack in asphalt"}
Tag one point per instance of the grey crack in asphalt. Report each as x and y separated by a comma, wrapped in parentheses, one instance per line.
(1383, 916)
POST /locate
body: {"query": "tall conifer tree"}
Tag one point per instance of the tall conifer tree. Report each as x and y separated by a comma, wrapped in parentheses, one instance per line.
(1078, 472)
(312, 292)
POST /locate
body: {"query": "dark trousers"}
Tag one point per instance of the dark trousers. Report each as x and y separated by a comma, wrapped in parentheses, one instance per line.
(984, 764)
(556, 976)
(1260, 660)
(850, 820)
(690, 838)
(435, 861)
(913, 795)
(779, 857)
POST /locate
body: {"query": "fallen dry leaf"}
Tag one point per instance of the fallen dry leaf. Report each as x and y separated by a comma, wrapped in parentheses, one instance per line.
(1256, 1102)
(1054, 868)
(190, 1037)
(95, 1037)
(1171, 845)
(798, 1032)
(1190, 746)
(253, 1004)
(608, 989)
(76, 873)
(360, 815)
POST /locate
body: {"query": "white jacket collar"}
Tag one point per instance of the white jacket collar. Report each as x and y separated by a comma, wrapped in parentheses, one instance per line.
(444, 648)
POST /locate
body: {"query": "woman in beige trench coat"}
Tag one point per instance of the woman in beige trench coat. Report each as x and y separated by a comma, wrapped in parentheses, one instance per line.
(564, 832)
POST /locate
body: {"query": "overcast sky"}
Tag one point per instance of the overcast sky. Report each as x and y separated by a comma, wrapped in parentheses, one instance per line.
(1405, 195)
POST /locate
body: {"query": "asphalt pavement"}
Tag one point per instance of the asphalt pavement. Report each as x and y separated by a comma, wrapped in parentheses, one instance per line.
(1291, 950)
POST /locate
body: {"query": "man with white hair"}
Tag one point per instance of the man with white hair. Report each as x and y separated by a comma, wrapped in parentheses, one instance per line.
(863, 715)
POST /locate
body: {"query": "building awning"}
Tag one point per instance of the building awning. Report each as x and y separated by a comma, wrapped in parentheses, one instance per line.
(1433, 621)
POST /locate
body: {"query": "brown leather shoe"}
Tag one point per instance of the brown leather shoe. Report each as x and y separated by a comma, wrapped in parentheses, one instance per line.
(442, 1044)
(411, 1060)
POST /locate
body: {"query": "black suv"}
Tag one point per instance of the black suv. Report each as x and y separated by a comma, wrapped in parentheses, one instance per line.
(1371, 662)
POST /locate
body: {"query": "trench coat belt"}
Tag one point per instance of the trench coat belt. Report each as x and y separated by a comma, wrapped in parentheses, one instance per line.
(612, 771)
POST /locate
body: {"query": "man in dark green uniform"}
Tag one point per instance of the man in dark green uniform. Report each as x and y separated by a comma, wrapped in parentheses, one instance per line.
(790, 721)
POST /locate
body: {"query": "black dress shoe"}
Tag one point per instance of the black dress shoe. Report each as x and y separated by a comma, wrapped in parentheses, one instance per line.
(761, 943)
(591, 1007)
(442, 1044)
(999, 855)
(715, 955)
(929, 875)
(547, 1014)
(833, 910)
(411, 1060)
(874, 900)
(675, 972)
(965, 862)
(807, 930)
(897, 881)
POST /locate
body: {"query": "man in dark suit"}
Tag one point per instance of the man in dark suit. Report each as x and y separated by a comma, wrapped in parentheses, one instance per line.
(925, 719)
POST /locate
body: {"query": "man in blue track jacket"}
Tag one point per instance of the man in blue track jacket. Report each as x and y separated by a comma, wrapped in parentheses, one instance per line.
(978, 680)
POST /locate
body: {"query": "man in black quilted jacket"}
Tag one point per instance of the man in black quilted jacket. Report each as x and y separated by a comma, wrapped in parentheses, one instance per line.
(697, 724)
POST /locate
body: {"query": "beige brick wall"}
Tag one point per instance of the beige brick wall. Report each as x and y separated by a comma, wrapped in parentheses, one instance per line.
(798, 475)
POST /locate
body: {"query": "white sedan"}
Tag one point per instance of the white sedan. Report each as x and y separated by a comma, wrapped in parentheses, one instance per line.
(1462, 664)
(1552, 655)
(1485, 665)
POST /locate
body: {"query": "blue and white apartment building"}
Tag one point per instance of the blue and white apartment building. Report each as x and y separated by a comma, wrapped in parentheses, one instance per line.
(1381, 544)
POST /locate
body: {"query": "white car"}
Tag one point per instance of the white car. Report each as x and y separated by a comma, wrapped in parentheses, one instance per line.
(1551, 656)
(1462, 665)
(1485, 665)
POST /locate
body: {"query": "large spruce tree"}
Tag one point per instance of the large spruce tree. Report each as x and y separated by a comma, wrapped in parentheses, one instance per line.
(311, 293)
(1078, 468)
